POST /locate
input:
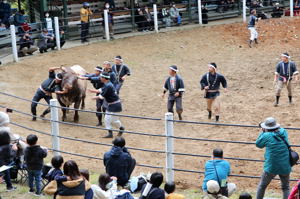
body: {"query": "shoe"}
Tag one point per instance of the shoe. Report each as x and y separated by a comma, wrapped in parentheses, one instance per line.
(42, 116)
(275, 104)
(109, 135)
(11, 188)
(31, 191)
(99, 124)
(209, 115)
(33, 118)
(179, 117)
(37, 194)
(121, 131)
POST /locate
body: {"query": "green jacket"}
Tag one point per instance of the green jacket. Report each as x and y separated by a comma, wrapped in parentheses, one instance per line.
(277, 159)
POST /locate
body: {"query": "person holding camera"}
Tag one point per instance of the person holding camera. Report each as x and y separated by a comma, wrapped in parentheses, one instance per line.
(85, 14)
(26, 45)
(277, 157)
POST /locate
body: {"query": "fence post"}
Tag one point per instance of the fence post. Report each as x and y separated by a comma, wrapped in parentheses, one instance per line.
(169, 147)
(106, 27)
(291, 8)
(14, 42)
(244, 11)
(54, 126)
(57, 35)
(200, 12)
(155, 18)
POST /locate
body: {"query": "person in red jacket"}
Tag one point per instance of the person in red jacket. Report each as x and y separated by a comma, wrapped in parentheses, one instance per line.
(295, 191)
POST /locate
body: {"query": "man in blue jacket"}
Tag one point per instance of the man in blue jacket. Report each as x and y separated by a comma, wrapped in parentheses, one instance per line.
(121, 70)
(277, 161)
(118, 161)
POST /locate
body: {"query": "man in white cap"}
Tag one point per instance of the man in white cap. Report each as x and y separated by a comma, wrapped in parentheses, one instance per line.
(286, 71)
(121, 70)
(49, 86)
(108, 93)
(277, 157)
(174, 84)
(210, 83)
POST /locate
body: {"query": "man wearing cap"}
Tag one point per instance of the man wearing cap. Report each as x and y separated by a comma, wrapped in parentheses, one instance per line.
(85, 14)
(121, 70)
(277, 158)
(97, 84)
(210, 83)
(174, 84)
(108, 93)
(49, 86)
(285, 72)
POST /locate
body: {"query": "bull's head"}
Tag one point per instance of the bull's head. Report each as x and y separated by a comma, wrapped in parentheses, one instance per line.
(68, 81)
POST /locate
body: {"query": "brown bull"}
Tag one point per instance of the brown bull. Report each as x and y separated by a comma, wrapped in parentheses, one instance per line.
(73, 90)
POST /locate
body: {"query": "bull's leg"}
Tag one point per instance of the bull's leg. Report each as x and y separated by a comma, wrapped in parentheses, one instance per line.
(83, 102)
(64, 111)
(76, 106)
(67, 110)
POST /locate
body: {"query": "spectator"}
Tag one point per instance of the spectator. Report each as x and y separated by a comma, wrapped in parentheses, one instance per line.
(48, 23)
(140, 19)
(111, 4)
(2, 26)
(204, 15)
(151, 190)
(170, 189)
(20, 22)
(34, 156)
(7, 153)
(110, 21)
(245, 196)
(5, 12)
(295, 191)
(118, 161)
(277, 11)
(175, 15)
(46, 41)
(85, 14)
(56, 162)
(218, 170)
(26, 45)
(86, 174)
(165, 15)
(62, 39)
(277, 161)
(106, 188)
(149, 20)
(73, 186)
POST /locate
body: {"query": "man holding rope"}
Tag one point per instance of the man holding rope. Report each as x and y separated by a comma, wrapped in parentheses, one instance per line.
(49, 86)
(174, 84)
(85, 14)
(108, 93)
(210, 83)
(285, 72)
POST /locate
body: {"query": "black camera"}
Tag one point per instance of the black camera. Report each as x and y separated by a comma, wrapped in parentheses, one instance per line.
(9, 110)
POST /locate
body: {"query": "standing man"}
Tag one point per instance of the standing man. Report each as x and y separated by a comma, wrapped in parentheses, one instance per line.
(277, 157)
(251, 27)
(210, 82)
(285, 72)
(85, 14)
(108, 93)
(113, 77)
(121, 70)
(174, 84)
(95, 79)
(49, 86)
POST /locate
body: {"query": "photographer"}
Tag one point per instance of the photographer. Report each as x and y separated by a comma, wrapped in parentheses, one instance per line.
(26, 45)
(277, 158)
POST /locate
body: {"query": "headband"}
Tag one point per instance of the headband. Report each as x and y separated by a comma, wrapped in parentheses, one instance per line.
(105, 76)
(210, 65)
(56, 77)
(173, 69)
(98, 69)
(284, 55)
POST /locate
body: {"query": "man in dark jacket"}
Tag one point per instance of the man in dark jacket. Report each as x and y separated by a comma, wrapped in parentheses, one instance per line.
(49, 86)
(118, 161)
(121, 70)
(154, 192)
(26, 45)
(34, 159)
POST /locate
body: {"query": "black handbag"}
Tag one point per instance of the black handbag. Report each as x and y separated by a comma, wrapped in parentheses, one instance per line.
(294, 156)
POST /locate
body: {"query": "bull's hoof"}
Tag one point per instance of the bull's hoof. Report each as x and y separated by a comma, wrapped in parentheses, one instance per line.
(76, 120)
(63, 118)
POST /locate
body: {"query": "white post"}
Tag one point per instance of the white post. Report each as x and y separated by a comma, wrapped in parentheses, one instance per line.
(169, 147)
(291, 8)
(14, 42)
(199, 11)
(54, 126)
(244, 11)
(155, 18)
(106, 27)
(57, 35)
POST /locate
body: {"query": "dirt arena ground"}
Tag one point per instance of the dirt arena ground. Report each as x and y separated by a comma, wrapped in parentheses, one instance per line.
(249, 99)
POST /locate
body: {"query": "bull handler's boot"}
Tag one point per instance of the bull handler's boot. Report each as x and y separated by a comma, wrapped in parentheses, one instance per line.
(249, 44)
(34, 118)
(179, 116)
(255, 40)
(209, 114)
(277, 101)
(217, 118)
(121, 131)
(109, 135)
(99, 120)
(45, 112)
(290, 100)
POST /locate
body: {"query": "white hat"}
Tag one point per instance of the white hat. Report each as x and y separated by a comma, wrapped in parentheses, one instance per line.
(4, 118)
(213, 186)
(270, 124)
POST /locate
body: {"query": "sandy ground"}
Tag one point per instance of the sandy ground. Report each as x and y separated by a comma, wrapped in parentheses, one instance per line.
(249, 100)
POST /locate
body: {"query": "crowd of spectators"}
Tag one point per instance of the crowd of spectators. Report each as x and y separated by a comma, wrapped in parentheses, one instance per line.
(66, 180)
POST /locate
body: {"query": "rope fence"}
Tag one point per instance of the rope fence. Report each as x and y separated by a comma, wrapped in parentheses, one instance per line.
(170, 137)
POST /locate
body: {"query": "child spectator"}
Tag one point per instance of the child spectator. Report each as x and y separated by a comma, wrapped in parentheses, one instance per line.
(295, 191)
(245, 196)
(170, 189)
(106, 188)
(56, 171)
(7, 152)
(89, 193)
(34, 159)
(151, 190)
